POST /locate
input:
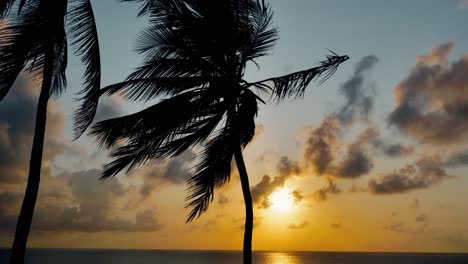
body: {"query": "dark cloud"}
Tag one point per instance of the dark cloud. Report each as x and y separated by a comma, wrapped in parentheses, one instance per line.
(262, 190)
(157, 173)
(331, 188)
(335, 226)
(423, 174)
(322, 145)
(325, 141)
(407, 229)
(357, 161)
(457, 159)
(223, 200)
(267, 185)
(421, 218)
(359, 98)
(297, 195)
(91, 206)
(394, 150)
(109, 107)
(17, 122)
(432, 101)
(301, 225)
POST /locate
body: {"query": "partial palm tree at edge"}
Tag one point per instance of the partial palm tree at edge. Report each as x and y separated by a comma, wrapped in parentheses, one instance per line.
(195, 55)
(34, 40)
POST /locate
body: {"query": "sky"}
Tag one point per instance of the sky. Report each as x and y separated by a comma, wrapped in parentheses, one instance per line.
(374, 159)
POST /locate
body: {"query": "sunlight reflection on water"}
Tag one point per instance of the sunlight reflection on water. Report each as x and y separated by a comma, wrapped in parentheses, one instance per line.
(281, 258)
(60, 256)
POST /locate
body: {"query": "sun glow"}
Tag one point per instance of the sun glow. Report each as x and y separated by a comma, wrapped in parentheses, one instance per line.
(281, 200)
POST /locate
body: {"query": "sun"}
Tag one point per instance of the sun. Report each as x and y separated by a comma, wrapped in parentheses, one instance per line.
(281, 200)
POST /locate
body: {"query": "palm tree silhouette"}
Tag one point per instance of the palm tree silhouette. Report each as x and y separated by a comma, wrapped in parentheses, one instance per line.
(34, 40)
(195, 56)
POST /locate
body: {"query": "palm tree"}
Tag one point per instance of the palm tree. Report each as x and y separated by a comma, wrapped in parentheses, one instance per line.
(34, 40)
(196, 54)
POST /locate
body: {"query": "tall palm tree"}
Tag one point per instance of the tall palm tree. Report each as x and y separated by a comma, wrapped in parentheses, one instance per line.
(195, 55)
(34, 40)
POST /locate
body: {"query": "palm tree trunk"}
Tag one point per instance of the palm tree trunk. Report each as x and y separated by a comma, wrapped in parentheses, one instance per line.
(27, 209)
(248, 229)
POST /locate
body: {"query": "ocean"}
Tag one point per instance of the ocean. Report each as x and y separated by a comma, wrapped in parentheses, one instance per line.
(80, 256)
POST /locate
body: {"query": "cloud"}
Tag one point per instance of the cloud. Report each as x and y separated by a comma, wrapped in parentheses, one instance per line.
(297, 195)
(401, 227)
(17, 122)
(267, 185)
(463, 4)
(109, 107)
(322, 145)
(86, 205)
(423, 174)
(433, 98)
(421, 218)
(358, 162)
(457, 159)
(301, 225)
(157, 173)
(359, 98)
(394, 150)
(223, 200)
(335, 226)
(331, 188)
(71, 201)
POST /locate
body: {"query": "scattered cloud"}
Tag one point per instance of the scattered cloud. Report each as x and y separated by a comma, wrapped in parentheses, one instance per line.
(17, 122)
(223, 200)
(335, 225)
(267, 185)
(358, 94)
(331, 188)
(157, 173)
(423, 174)
(301, 225)
(432, 98)
(421, 218)
(322, 145)
(357, 161)
(403, 228)
(457, 159)
(394, 150)
(463, 4)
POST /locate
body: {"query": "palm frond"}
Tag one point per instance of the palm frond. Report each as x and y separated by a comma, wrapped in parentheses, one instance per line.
(213, 171)
(145, 7)
(294, 84)
(262, 37)
(5, 7)
(136, 88)
(85, 39)
(245, 115)
(19, 45)
(59, 82)
(152, 133)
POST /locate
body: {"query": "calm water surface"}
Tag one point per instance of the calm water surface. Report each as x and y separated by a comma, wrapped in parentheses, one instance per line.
(65, 256)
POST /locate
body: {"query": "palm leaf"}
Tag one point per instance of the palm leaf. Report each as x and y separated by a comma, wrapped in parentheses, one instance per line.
(294, 84)
(213, 171)
(85, 39)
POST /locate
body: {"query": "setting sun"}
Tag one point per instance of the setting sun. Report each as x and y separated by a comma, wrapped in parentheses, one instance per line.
(281, 200)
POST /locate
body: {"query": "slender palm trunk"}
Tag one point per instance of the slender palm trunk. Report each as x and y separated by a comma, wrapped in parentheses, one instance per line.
(27, 209)
(248, 229)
